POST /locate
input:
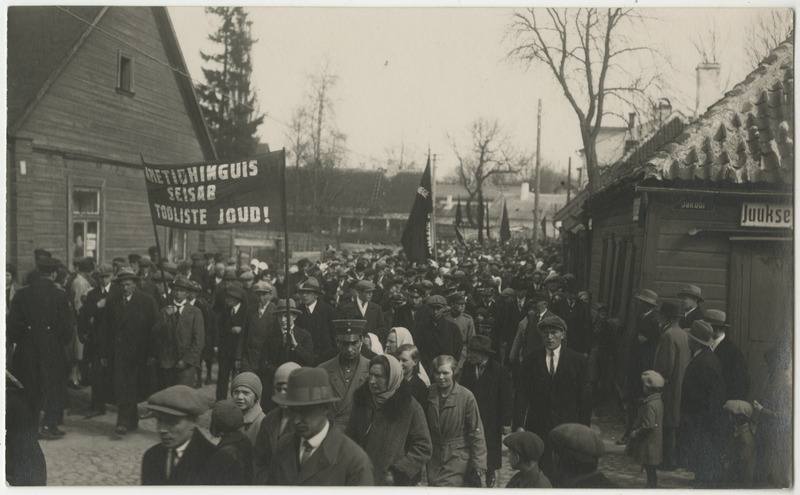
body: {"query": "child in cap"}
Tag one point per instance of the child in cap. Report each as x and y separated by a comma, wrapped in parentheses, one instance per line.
(232, 460)
(645, 442)
(739, 458)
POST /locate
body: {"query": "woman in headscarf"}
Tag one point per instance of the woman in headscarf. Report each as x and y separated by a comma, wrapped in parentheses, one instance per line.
(375, 344)
(390, 425)
(459, 445)
(399, 336)
(408, 355)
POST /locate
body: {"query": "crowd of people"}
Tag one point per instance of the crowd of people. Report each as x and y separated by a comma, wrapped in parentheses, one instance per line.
(367, 369)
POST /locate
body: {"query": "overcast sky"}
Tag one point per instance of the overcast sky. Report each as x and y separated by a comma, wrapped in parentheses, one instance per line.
(415, 75)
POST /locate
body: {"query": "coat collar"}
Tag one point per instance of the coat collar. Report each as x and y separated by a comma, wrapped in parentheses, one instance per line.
(325, 455)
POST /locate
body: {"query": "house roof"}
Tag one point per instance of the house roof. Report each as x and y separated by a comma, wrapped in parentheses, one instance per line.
(744, 138)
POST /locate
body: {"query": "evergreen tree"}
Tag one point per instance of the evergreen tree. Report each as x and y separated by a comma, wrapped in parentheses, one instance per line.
(228, 101)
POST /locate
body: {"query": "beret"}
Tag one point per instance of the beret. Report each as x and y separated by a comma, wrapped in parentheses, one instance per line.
(739, 408)
(553, 322)
(652, 379)
(249, 380)
(226, 416)
(576, 441)
(178, 400)
(436, 301)
(526, 444)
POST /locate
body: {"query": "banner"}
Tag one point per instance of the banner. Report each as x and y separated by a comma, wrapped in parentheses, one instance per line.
(417, 238)
(218, 195)
(505, 229)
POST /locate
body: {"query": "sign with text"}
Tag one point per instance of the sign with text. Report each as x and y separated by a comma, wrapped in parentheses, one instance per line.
(766, 215)
(217, 195)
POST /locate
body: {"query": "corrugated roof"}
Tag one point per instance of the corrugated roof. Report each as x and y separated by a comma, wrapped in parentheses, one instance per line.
(745, 137)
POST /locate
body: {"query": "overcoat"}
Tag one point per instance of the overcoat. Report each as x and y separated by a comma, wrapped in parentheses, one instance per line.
(373, 315)
(231, 462)
(492, 391)
(320, 325)
(40, 324)
(734, 369)
(127, 338)
(256, 332)
(190, 469)
(436, 338)
(179, 337)
(562, 398)
(267, 443)
(274, 353)
(672, 358)
(342, 408)
(338, 461)
(457, 437)
(228, 341)
(394, 436)
(646, 442)
(90, 329)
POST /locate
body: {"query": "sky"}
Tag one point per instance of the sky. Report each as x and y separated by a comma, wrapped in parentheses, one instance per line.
(418, 77)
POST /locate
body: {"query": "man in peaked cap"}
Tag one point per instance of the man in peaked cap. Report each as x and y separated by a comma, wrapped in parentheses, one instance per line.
(690, 298)
(457, 302)
(734, 365)
(317, 454)
(556, 385)
(181, 456)
(576, 450)
(179, 335)
(702, 428)
(363, 308)
(524, 450)
(233, 321)
(316, 316)
(349, 369)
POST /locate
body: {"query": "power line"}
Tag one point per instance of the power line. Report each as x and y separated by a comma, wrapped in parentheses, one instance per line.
(195, 81)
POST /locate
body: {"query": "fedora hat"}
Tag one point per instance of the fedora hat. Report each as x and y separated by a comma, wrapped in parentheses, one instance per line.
(281, 307)
(716, 318)
(310, 285)
(691, 291)
(481, 343)
(702, 332)
(307, 387)
(182, 282)
(648, 296)
(126, 274)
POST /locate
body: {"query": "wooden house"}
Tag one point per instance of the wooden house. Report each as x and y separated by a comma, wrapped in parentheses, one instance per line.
(91, 92)
(711, 206)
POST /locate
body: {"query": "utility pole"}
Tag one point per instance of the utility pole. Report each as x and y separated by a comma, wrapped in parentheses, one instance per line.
(537, 181)
(569, 178)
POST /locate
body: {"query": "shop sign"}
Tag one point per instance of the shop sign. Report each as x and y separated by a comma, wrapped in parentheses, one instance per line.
(696, 203)
(766, 215)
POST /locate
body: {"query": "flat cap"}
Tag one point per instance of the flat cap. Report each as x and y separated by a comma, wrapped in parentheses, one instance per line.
(262, 286)
(426, 284)
(364, 286)
(436, 301)
(226, 417)
(526, 444)
(247, 275)
(178, 400)
(576, 441)
(652, 379)
(553, 322)
(103, 269)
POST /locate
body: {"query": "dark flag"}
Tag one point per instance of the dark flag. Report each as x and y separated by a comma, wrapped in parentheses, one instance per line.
(459, 222)
(417, 239)
(544, 226)
(505, 229)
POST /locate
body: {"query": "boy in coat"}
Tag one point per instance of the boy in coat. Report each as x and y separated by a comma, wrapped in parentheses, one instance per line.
(645, 440)
(524, 450)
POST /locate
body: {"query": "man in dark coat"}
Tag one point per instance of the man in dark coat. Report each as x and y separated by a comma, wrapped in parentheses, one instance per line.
(260, 322)
(557, 388)
(701, 432)
(129, 320)
(91, 328)
(25, 463)
(362, 308)
(40, 324)
(233, 321)
(286, 343)
(317, 318)
(181, 457)
(490, 383)
(318, 453)
(435, 335)
(734, 365)
(690, 297)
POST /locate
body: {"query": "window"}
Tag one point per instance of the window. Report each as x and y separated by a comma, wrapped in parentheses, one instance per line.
(85, 238)
(125, 74)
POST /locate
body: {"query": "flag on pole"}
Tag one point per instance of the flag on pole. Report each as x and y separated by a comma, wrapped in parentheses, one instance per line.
(505, 229)
(544, 226)
(459, 222)
(417, 238)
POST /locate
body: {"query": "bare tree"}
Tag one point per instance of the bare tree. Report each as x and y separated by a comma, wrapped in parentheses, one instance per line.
(487, 156)
(586, 51)
(769, 29)
(298, 136)
(399, 158)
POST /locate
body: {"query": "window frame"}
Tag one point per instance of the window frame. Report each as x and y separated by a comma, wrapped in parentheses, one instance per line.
(77, 183)
(125, 81)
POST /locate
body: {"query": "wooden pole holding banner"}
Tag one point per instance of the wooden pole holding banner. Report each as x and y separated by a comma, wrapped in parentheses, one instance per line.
(158, 245)
(433, 207)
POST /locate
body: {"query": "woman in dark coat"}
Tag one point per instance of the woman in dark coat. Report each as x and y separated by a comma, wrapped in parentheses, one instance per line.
(390, 425)
(232, 460)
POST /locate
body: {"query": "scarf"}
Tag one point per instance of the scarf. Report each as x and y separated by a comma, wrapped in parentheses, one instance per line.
(395, 373)
(375, 344)
(404, 337)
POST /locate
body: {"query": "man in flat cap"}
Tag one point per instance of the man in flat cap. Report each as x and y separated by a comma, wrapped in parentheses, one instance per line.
(318, 453)
(179, 337)
(362, 308)
(690, 298)
(734, 365)
(556, 384)
(40, 324)
(182, 455)
(702, 427)
(575, 453)
(435, 335)
(317, 317)
(524, 450)
(349, 369)
(233, 321)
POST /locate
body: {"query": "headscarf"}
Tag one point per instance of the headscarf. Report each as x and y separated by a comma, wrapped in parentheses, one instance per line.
(375, 344)
(404, 337)
(395, 378)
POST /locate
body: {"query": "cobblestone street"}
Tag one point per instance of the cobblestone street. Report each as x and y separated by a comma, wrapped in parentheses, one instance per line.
(90, 454)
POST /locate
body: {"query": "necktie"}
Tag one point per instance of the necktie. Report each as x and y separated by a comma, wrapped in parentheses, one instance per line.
(552, 364)
(172, 460)
(307, 448)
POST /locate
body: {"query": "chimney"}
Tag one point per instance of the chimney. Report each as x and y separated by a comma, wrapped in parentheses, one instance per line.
(524, 191)
(708, 90)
